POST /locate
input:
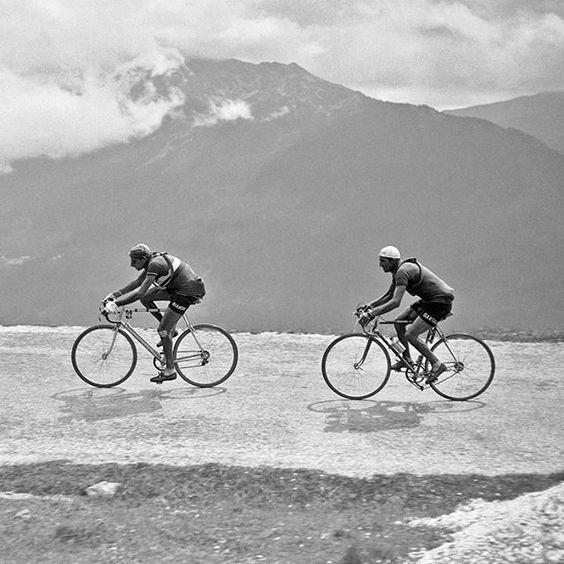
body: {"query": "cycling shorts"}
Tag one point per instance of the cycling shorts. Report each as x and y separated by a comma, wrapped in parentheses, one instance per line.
(431, 312)
(179, 304)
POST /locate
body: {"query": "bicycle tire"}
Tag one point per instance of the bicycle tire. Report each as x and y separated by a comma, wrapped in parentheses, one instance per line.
(210, 365)
(93, 364)
(341, 372)
(469, 373)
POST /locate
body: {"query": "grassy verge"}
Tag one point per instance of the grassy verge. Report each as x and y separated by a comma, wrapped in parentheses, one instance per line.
(214, 513)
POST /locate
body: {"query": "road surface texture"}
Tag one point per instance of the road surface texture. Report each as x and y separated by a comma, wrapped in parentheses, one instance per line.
(277, 411)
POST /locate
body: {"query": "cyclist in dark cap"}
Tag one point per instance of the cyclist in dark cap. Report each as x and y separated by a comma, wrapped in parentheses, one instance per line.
(163, 277)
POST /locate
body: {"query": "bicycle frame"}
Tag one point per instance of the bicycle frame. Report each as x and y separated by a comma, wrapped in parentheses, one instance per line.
(357, 364)
(124, 323)
(106, 354)
(413, 373)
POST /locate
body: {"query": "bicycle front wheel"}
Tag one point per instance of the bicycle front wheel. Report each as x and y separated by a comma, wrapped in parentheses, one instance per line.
(205, 356)
(104, 356)
(470, 367)
(356, 366)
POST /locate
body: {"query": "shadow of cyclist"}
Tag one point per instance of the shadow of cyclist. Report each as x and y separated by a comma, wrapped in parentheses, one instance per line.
(112, 403)
(370, 416)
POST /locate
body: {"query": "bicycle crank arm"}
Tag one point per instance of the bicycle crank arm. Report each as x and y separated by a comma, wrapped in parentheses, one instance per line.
(414, 383)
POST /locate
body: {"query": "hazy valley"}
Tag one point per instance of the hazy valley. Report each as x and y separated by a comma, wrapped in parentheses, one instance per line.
(279, 188)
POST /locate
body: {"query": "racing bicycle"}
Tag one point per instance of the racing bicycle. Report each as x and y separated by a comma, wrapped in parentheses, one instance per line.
(105, 355)
(357, 365)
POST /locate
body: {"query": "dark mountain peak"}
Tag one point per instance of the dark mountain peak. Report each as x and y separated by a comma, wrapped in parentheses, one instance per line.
(263, 91)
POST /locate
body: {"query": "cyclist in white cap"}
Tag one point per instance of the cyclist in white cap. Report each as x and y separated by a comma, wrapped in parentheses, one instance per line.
(435, 303)
(163, 277)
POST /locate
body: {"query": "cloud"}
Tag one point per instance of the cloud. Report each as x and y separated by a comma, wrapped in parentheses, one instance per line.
(224, 110)
(58, 113)
(69, 116)
(67, 70)
(14, 261)
(278, 113)
(440, 52)
(67, 66)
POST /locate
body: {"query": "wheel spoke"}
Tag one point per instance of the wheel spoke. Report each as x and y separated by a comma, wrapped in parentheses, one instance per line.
(471, 370)
(205, 356)
(103, 357)
(355, 366)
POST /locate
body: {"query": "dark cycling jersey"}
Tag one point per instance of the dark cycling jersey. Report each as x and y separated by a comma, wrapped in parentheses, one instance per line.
(422, 282)
(174, 275)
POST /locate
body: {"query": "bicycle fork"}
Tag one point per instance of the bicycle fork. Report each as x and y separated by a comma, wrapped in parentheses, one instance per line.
(106, 354)
(358, 365)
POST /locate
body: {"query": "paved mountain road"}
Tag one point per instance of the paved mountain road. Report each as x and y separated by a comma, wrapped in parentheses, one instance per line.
(276, 411)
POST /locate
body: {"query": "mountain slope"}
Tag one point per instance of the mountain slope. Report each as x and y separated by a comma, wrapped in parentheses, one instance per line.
(283, 212)
(540, 115)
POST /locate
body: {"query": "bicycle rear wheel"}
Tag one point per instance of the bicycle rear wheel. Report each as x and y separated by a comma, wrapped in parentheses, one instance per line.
(104, 356)
(470, 367)
(205, 356)
(356, 366)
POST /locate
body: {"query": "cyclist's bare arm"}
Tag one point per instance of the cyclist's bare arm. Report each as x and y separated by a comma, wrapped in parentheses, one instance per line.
(131, 286)
(138, 291)
(383, 299)
(392, 303)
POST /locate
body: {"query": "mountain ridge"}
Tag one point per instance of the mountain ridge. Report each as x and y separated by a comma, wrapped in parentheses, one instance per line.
(539, 115)
(283, 217)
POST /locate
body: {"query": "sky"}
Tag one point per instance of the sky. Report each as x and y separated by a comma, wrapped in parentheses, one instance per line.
(66, 65)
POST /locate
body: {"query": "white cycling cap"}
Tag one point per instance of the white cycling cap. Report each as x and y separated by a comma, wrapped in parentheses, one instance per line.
(390, 252)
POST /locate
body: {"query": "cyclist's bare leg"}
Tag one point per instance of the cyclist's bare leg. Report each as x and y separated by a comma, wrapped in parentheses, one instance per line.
(166, 330)
(412, 334)
(406, 315)
(148, 301)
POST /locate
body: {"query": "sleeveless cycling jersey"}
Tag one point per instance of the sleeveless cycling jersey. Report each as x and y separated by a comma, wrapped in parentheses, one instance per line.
(174, 275)
(422, 282)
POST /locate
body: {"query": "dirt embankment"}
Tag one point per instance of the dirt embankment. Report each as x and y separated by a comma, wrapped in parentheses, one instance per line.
(221, 514)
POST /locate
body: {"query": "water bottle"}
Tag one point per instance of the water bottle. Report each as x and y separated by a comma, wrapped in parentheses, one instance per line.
(397, 346)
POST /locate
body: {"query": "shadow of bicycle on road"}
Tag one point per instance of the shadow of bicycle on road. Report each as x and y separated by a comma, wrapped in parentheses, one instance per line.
(369, 416)
(99, 404)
